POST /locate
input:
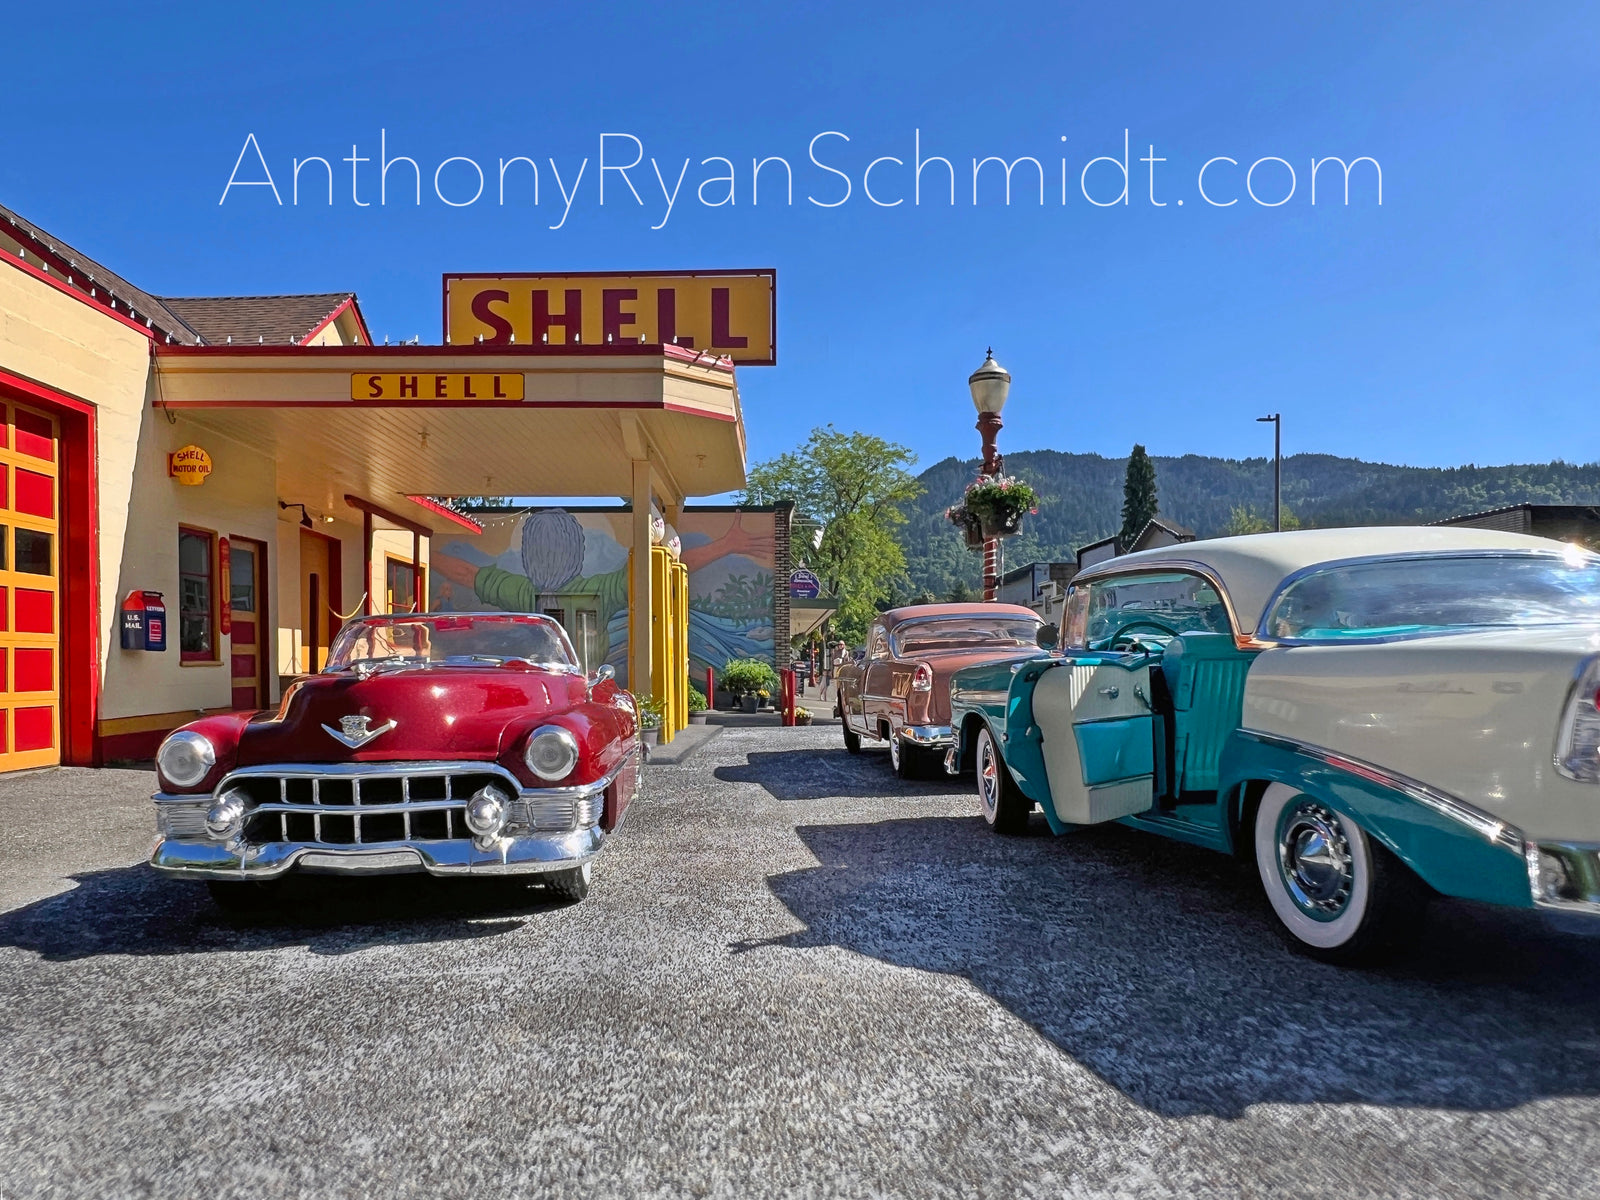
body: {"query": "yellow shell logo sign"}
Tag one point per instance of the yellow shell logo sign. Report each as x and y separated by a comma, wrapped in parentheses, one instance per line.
(190, 465)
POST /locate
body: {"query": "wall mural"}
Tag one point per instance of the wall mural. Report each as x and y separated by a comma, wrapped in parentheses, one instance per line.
(574, 565)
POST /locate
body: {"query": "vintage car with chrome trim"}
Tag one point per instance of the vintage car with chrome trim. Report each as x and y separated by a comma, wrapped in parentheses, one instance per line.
(456, 744)
(1374, 716)
(900, 692)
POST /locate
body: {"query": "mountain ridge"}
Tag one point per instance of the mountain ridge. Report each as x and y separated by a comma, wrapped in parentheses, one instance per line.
(1081, 500)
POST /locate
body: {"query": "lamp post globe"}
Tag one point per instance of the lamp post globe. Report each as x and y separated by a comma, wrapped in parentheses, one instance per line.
(990, 384)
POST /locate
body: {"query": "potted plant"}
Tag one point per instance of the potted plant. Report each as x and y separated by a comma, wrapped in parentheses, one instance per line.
(802, 716)
(967, 521)
(749, 678)
(763, 699)
(697, 706)
(650, 710)
(999, 502)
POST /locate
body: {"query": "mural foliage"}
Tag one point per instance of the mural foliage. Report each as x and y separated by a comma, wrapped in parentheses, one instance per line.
(573, 564)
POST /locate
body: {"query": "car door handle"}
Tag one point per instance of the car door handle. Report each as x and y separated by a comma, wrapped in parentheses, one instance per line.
(1111, 693)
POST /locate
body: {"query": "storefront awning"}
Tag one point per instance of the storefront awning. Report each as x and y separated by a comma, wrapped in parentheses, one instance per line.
(392, 421)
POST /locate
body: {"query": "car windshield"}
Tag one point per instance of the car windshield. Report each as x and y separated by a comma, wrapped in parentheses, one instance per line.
(1153, 606)
(1408, 597)
(964, 633)
(448, 637)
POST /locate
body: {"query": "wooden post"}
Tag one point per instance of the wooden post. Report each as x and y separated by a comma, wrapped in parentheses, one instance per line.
(639, 680)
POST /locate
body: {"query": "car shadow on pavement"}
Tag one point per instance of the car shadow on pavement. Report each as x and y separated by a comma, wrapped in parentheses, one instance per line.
(1157, 965)
(134, 910)
(815, 774)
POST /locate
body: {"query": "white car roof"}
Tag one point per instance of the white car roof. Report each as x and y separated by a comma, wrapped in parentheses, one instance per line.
(1253, 565)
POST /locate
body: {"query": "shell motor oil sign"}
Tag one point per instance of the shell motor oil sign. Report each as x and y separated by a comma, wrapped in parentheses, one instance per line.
(730, 313)
(189, 465)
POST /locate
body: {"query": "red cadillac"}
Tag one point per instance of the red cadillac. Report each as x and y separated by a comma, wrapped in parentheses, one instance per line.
(459, 744)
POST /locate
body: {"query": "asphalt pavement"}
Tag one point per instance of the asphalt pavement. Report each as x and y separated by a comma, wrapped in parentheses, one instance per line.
(795, 975)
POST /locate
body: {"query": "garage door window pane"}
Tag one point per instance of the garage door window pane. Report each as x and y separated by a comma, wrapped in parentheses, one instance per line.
(195, 595)
(33, 551)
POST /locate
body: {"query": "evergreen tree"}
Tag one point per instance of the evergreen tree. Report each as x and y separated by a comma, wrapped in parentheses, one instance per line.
(1139, 503)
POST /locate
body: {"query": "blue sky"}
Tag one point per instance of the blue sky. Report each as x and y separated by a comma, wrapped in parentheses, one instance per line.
(1455, 323)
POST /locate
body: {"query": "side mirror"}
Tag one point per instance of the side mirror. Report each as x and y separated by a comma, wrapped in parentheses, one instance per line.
(603, 672)
(1046, 636)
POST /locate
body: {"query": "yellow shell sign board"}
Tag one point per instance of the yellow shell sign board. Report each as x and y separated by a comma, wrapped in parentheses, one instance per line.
(732, 313)
(189, 465)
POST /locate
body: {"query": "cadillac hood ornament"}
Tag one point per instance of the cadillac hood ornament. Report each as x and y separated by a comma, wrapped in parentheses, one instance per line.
(354, 731)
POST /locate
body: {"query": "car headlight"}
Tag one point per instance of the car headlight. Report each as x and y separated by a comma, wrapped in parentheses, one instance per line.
(186, 757)
(551, 753)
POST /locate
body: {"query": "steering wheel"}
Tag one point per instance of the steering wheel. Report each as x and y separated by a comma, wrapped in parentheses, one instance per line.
(1133, 642)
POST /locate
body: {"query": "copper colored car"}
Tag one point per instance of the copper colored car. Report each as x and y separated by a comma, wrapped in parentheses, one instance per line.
(900, 693)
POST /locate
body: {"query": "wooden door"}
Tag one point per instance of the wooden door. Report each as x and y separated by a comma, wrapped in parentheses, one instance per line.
(247, 649)
(30, 576)
(319, 599)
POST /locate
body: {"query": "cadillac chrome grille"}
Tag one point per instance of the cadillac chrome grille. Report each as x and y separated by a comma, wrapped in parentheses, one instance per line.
(354, 810)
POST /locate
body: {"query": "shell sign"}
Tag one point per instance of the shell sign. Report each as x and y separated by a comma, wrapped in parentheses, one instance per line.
(189, 465)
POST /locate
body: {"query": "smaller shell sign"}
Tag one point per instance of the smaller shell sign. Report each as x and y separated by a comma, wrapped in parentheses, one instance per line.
(189, 465)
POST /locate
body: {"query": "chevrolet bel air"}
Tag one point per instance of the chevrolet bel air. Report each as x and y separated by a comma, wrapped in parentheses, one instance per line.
(1374, 716)
(899, 692)
(457, 744)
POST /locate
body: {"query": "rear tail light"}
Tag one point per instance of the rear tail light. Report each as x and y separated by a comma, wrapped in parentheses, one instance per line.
(1578, 746)
(922, 678)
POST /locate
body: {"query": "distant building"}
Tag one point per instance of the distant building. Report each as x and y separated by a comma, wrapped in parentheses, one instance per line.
(1158, 531)
(1563, 522)
(1040, 586)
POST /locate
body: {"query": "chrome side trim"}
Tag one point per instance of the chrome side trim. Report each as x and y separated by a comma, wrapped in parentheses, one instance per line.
(1485, 825)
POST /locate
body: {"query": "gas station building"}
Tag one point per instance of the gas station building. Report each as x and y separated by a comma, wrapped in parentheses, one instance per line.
(268, 471)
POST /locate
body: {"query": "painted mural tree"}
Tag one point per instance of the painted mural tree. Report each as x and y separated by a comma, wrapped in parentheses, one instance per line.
(853, 487)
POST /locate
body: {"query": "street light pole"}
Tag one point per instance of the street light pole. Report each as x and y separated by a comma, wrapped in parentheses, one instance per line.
(989, 385)
(1277, 470)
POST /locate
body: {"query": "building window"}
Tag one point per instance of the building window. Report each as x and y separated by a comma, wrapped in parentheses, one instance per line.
(197, 618)
(405, 583)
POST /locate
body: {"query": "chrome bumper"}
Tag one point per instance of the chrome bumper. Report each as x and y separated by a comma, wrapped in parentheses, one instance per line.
(502, 856)
(928, 736)
(1564, 876)
(531, 842)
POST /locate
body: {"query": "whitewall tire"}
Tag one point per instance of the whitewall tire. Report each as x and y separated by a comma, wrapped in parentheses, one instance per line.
(1005, 808)
(1337, 894)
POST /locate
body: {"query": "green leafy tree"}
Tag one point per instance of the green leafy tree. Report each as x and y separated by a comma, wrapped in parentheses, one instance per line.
(854, 486)
(1139, 504)
(1248, 520)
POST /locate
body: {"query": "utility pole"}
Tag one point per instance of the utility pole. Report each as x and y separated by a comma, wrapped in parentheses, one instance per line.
(1277, 470)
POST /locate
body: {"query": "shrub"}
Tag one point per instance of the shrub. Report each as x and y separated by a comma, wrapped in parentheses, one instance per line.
(743, 675)
(697, 699)
(650, 711)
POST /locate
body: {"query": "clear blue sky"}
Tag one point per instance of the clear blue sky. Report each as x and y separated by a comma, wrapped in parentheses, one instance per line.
(1456, 323)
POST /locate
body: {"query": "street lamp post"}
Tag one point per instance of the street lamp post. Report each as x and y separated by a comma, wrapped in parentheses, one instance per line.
(1277, 470)
(989, 385)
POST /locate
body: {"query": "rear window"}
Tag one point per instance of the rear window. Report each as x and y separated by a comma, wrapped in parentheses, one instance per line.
(1420, 595)
(965, 633)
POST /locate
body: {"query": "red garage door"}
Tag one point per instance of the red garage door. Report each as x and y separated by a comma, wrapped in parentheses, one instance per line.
(30, 571)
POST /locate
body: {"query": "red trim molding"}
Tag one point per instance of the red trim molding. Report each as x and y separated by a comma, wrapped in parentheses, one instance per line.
(61, 286)
(449, 514)
(347, 306)
(377, 510)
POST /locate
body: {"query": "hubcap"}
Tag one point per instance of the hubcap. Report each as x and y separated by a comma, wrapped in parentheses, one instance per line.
(988, 776)
(894, 752)
(1314, 859)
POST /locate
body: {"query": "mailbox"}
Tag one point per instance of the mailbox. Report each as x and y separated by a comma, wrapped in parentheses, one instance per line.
(144, 622)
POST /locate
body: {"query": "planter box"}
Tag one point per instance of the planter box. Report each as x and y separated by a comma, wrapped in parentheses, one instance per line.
(697, 718)
(650, 737)
(749, 704)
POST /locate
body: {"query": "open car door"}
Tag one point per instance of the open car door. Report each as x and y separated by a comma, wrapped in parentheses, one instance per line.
(1098, 733)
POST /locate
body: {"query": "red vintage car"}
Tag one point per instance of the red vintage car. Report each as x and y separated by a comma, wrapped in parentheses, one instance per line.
(900, 692)
(457, 744)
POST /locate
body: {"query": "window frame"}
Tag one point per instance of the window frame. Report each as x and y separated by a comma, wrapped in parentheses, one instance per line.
(200, 658)
(419, 575)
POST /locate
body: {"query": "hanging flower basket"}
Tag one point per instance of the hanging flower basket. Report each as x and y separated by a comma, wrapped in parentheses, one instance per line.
(968, 522)
(999, 504)
(1002, 525)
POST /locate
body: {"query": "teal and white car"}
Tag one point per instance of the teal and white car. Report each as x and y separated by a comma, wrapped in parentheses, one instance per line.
(1373, 715)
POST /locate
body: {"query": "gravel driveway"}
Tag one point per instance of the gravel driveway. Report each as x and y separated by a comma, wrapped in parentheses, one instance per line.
(795, 975)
